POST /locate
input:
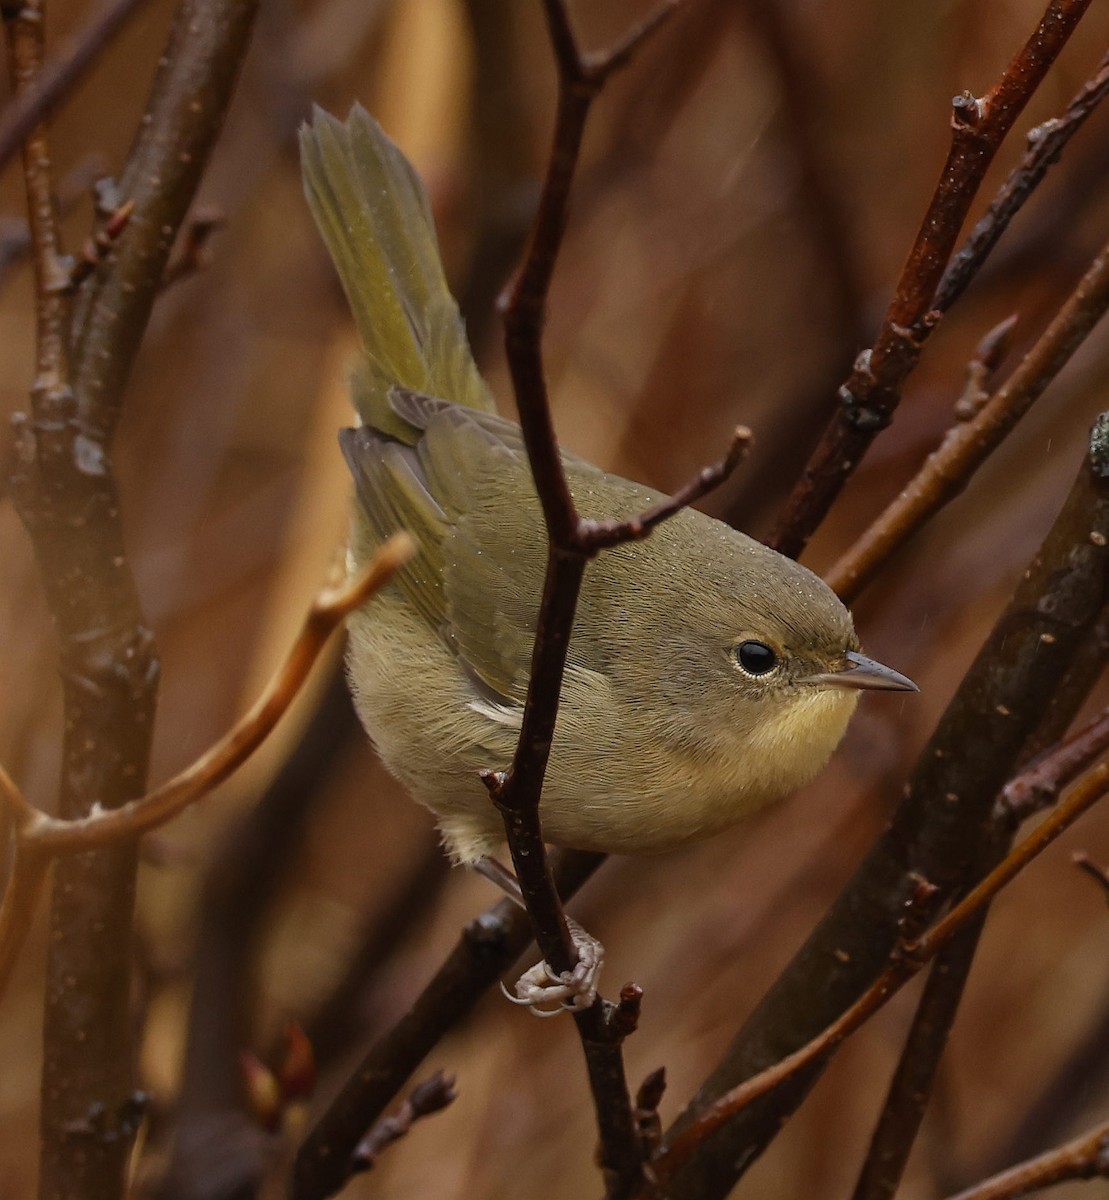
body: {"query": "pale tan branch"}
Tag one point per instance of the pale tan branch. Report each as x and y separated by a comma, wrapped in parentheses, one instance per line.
(213, 767)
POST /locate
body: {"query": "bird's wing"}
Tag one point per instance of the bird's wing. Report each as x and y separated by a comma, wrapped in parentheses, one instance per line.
(465, 494)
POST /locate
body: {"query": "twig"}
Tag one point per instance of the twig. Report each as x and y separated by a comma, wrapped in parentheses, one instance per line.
(1099, 874)
(908, 958)
(487, 948)
(1086, 1157)
(328, 611)
(97, 246)
(572, 541)
(192, 255)
(429, 1097)
(938, 828)
(57, 79)
(873, 391)
(1038, 784)
(910, 1088)
(1045, 143)
(40, 837)
(969, 443)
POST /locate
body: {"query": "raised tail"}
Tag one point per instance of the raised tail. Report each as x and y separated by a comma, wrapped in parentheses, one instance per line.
(373, 213)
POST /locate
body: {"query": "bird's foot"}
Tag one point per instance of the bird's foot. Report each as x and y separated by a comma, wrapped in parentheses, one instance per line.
(568, 991)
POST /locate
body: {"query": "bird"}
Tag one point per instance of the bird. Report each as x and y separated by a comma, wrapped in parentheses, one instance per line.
(707, 675)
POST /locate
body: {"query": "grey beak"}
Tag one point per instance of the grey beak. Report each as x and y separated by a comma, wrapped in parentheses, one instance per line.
(862, 672)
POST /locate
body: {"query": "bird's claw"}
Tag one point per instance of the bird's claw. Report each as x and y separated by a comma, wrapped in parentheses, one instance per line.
(569, 991)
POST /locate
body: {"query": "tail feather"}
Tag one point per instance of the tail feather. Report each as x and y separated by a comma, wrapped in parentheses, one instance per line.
(374, 216)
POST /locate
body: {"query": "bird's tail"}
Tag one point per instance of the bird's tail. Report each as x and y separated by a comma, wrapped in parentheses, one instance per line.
(373, 213)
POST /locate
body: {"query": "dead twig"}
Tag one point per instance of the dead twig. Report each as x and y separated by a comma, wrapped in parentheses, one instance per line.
(488, 946)
(429, 1097)
(873, 390)
(940, 829)
(968, 444)
(39, 837)
(910, 955)
(1086, 1157)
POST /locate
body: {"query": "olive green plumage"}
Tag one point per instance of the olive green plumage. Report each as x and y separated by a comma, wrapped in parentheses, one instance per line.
(662, 735)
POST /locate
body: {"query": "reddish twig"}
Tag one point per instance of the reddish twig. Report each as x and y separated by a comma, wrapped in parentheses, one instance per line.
(873, 390)
(1086, 1157)
(1045, 143)
(99, 244)
(969, 443)
(429, 1097)
(910, 955)
(572, 542)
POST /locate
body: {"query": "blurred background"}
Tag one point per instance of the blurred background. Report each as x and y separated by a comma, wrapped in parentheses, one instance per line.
(749, 188)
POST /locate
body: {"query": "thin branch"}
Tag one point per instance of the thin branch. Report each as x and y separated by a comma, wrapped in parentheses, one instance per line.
(1045, 144)
(487, 948)
(601, 535)
(1098, 873)
(1037, 786)
(431, 1096)
(571, 542)
(909, 956)
(1086, 792)
(969, 443)
(873, 391)
(58, 78)
(1086, 1157)
(329, 609)
(895, 1132)
(39, 838)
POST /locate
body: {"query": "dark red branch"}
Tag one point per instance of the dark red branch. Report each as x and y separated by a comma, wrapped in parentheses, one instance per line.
(873, 390)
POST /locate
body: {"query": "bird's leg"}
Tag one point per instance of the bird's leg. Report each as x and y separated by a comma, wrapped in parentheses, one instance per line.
(540, 986)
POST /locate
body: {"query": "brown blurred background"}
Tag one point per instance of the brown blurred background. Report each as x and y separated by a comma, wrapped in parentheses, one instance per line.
(748, 191)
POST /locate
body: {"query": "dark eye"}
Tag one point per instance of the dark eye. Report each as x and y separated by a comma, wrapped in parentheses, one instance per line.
(756, 658)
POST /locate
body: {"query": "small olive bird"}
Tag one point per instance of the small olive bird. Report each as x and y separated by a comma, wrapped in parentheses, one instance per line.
(707, 675)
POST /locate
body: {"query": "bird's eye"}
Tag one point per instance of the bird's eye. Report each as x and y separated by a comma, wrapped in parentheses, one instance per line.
(756, 658)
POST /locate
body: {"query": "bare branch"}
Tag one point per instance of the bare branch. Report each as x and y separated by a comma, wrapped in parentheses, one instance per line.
(1045, 143)
(39, 838)
(969, 443)
(1086, 1157)
(908, 958)
(873, 391)
(328, 611)
(488, 946)
(431, 1096)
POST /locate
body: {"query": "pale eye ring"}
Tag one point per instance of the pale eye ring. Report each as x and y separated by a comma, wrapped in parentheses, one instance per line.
(755, 658)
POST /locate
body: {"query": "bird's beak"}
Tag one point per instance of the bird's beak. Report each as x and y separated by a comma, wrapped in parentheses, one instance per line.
(858, 671)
